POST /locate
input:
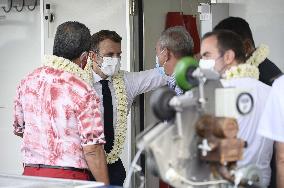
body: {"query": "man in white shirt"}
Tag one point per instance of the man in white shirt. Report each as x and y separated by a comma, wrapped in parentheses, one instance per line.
(173, 44)
(117, 90)
(224, 50)
(272, 125)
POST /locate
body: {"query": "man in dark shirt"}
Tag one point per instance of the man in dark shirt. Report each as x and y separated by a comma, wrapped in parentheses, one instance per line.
(267, 69)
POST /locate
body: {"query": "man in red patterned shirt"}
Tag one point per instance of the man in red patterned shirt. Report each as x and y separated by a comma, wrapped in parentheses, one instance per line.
(57, 115)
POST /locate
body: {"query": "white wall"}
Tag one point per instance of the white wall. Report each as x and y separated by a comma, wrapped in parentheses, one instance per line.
(266, 21)
(95, 14)
(218, 13)
(20, 53)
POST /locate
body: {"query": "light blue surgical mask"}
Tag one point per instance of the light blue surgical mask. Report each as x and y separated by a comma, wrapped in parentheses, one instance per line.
(161, 69)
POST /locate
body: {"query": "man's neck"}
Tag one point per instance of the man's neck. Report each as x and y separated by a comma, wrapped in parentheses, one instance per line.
(77, 62)
(229, 66)
(100, 73)
(171, 66)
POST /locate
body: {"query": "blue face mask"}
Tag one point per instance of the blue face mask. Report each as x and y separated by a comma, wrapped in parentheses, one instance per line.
(161, 69)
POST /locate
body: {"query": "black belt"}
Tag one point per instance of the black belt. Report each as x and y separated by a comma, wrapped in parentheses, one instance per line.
(56, 167)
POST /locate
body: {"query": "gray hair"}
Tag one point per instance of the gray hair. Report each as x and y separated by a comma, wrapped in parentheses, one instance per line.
(177, 40)
(71, 40)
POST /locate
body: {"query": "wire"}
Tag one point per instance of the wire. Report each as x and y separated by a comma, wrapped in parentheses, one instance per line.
(31, 9)
(10, 7)
(132, 167)
(20, 10)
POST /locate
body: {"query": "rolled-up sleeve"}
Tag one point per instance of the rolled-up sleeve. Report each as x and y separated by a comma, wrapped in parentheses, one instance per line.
(19, 125)
(90, 128)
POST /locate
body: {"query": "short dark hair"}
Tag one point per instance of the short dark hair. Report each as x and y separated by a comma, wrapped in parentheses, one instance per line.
(178, 40)
(71, 40)
(237, 25)
(228, 40)
(102, 35)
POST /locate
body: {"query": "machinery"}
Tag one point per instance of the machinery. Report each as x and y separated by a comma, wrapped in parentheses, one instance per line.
(195, 144)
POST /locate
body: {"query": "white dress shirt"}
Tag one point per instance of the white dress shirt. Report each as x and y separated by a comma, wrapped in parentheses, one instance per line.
(136, 83)
(259, 149)
(272, 120)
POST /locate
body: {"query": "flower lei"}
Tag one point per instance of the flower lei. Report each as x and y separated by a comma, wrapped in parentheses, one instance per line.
(242, 70)
(68, 66)
(259, 55)
(250, 67)
(121, 122)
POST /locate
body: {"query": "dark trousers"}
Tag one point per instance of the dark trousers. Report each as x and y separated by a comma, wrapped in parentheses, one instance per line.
(117, 173)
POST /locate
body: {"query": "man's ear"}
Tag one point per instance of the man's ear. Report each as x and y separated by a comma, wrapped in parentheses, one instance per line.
(169, 54)
(93, 55)
(229, 57)
(248, 47)
(84, 57)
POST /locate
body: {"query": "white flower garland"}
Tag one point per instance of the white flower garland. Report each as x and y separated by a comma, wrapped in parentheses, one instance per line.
(121, 115)
(242, 70)
(259, 55)
(68, 66)
(250, 67)
(121, 122)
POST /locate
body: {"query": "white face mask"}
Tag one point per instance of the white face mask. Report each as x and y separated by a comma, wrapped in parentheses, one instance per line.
(110, 65)
(207, 68)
